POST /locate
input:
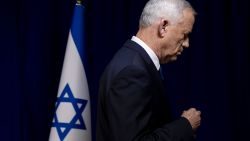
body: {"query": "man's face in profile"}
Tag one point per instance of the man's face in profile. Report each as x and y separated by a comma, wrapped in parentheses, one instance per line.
(177, 37)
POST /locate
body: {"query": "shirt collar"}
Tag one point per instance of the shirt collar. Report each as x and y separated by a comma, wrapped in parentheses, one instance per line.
(149, 51)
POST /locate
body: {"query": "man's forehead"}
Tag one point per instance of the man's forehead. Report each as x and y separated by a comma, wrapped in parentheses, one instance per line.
(187, 19)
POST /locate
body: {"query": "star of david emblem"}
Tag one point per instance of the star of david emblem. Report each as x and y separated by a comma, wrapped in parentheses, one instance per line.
(76, 121)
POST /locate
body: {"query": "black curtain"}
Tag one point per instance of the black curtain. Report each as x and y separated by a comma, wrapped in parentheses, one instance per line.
(212, 75)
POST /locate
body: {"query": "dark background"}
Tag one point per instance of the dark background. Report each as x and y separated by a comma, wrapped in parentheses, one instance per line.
(212, 75)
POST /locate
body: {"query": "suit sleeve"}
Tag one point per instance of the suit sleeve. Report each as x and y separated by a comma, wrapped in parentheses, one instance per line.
(130, 109)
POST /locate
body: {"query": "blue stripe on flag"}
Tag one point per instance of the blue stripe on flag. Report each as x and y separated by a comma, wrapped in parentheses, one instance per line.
(77, 30)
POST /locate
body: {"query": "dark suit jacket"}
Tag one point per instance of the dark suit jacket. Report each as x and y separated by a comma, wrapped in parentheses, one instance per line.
(132, 105)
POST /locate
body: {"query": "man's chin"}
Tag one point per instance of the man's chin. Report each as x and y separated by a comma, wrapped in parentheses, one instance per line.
(174, 58)
(171, 59)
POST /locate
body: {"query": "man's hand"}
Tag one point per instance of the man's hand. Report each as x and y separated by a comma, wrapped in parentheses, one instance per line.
(193, 116)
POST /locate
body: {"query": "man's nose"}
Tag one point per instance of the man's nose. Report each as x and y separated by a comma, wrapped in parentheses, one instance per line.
(186, 43)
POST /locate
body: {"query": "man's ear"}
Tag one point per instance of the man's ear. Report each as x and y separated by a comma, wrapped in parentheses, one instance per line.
(163, 27)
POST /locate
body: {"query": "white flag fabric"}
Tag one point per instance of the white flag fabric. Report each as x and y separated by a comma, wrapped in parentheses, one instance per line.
(72, 118)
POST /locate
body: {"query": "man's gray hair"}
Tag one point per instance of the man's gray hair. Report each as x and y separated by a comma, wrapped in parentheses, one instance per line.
(156, 9)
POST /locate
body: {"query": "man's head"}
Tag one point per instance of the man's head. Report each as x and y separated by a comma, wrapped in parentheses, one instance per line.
(165, 25)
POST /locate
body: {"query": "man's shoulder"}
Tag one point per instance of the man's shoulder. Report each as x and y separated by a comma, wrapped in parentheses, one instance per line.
(126, 57)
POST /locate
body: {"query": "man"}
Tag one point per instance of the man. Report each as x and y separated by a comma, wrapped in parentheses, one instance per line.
(132, 105)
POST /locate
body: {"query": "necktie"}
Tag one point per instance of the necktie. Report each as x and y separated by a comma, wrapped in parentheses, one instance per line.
(161, 74)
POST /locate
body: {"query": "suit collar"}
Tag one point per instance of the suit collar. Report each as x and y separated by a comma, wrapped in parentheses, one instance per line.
(136, 47)
(149, 51)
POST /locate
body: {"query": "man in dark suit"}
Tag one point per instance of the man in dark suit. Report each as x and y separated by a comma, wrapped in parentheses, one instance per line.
(132, 104)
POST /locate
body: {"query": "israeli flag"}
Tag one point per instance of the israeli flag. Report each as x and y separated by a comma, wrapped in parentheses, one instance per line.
(72, 119)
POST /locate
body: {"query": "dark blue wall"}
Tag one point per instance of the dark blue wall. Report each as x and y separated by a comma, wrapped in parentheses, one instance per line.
(212, 75)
